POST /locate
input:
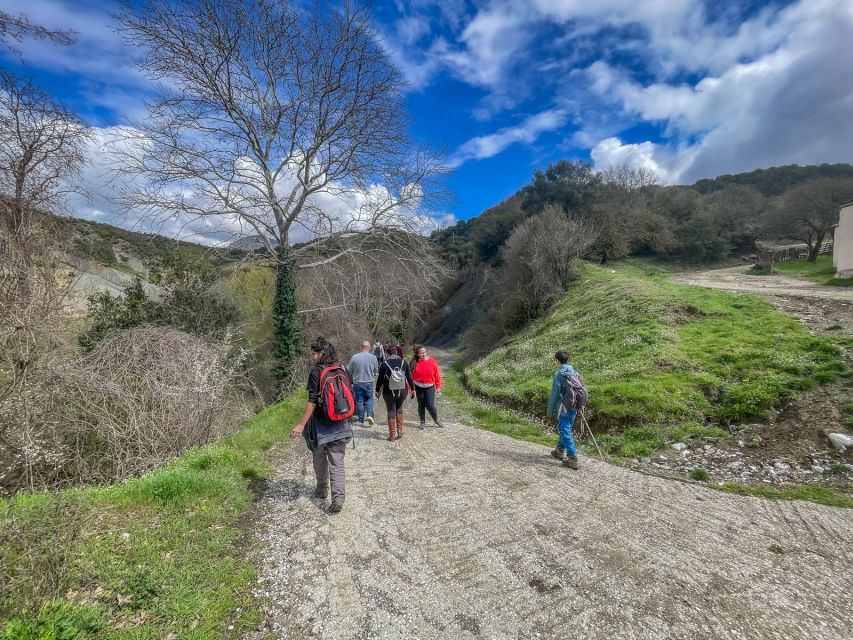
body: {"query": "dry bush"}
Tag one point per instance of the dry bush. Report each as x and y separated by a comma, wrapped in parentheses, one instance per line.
(33, 286)
(386, 294)
(146, 396)
(539, 262)
(136, 401)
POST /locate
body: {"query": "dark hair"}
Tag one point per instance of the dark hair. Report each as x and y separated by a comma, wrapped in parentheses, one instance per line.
(415, 349)
(321, 345)
(389, 349)
(562, 357)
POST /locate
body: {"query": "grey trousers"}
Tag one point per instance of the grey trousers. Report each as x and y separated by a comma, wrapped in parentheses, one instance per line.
(329, 467)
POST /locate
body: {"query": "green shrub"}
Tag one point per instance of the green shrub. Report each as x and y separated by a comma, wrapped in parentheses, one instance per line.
(700, 474)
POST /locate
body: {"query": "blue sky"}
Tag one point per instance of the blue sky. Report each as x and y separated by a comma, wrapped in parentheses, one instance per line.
(688, 88)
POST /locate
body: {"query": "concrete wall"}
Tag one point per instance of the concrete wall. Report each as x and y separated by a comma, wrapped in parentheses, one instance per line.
(842, 255)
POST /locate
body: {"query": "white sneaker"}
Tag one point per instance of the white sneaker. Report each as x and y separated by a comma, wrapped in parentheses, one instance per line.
(369, 420)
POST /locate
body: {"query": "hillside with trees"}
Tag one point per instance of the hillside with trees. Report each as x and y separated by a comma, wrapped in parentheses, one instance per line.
(623, 212)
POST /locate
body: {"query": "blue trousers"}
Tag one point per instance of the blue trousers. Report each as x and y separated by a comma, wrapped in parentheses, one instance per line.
(565, 422)
(363, 399)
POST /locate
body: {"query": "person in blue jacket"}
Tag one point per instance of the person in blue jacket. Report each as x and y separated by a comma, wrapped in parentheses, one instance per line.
(565, 451)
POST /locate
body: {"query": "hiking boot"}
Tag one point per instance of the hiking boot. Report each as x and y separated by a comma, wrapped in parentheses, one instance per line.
(439, 424)
(370, 421)
(392, 430)
(336, 506)
(571, 462)
(559, 453)
(399, 426)
(321, 493)
(422, 425)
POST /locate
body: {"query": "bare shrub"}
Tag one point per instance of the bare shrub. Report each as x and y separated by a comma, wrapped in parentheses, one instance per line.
(139, 399)
(146, 396)
(539, 262)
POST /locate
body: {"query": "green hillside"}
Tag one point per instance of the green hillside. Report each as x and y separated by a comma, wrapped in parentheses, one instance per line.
(656, 353)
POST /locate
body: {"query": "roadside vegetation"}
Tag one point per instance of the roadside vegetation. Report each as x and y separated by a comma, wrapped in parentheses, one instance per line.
(663, 362)
(155, 557)
(820, 271)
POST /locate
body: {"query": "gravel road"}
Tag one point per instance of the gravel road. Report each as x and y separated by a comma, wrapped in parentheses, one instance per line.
(461, 533)
(736, 279)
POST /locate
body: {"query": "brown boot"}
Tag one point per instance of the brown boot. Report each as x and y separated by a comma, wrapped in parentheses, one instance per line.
(399, 426)
(392, 430)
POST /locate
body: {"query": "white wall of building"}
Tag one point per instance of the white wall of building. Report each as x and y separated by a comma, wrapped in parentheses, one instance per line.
(842, 254)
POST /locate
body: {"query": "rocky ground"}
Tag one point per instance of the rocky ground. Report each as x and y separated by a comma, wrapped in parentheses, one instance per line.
(462, 533)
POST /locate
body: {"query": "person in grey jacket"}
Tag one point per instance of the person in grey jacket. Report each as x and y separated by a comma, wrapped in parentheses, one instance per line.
(364, 367)
(565, 450)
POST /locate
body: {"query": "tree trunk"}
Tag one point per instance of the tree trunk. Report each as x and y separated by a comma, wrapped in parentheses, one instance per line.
(286, 328)
(814, 249)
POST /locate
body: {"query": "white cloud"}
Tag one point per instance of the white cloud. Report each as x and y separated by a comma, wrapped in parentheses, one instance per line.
(527, 132)
(793, 104)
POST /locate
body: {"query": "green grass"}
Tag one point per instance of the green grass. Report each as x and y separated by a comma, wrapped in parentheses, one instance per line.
(820, 271)
(810, 492)
(145, 558)
(659, 355)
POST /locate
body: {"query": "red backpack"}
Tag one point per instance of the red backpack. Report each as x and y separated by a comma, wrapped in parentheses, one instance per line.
(336, 397)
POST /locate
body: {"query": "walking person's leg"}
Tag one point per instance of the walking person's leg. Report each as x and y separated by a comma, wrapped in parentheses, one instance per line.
(335, 454)
(566, 422)
(398, 408)
(321, 472)
(391, 406)
(369, 396)
(420, 393)
(359, 402)
(430, 405)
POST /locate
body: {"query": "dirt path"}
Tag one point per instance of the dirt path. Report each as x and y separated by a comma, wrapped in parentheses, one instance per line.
(461, 533)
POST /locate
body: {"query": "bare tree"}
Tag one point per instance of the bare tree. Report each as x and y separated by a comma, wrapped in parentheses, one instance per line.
(16, 28)
(41, 152)
(621, 216)
(810, 210)
(280, 121)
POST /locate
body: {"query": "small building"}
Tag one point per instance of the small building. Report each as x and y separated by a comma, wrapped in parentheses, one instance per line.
(842, 252)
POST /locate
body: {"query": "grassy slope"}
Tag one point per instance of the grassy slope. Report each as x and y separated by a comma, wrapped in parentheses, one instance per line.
(820, 271)
(145, 558)
(655, 354)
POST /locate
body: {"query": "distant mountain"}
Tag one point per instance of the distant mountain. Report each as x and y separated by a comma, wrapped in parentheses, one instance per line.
(250, 243)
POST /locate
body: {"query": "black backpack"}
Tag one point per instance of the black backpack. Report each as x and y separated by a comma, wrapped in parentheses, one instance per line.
(573, 393)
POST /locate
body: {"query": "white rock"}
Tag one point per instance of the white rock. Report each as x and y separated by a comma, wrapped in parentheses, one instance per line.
(840, 441)
(817, 468)
(645, 460)
(741, 444)
(781, 466)
(679, 446)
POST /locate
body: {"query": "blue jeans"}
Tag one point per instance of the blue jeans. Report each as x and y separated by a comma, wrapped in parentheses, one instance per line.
(363, 396)
(565, 422)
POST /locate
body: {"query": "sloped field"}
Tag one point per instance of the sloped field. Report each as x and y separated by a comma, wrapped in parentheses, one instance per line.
(657, 353)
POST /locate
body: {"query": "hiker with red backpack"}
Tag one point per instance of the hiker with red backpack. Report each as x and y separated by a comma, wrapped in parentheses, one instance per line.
(394, 384)
(568, 396)
(325, 421)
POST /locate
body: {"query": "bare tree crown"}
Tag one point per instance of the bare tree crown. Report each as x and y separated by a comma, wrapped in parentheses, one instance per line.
(266, 110)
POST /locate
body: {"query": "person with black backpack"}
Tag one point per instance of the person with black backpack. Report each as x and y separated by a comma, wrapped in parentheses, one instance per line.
(394, 384)
(568, 396)
(325, 421)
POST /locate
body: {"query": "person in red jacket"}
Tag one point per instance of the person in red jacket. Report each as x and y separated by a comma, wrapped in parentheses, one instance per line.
(427, 378)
